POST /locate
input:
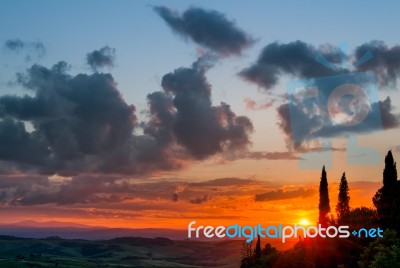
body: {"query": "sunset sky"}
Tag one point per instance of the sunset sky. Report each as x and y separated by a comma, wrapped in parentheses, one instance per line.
(156, 113)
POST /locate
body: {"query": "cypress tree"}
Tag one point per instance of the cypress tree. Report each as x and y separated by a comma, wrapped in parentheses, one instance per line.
(323, 206)
(390, 172)
(257, 253)
(386, 199)
(343, 207)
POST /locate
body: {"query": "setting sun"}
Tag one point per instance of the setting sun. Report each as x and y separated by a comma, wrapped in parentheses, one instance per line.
(304, 222)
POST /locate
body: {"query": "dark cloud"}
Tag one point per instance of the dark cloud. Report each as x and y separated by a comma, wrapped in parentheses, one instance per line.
(20, 146)
(303, 120)
(317, 123)
(32, 49)
(302, 60)
(208, 28)
(282, 195)
(103, 57)
(14, 188)
(223, 182)
(297, 59)
(106, 190)
(200, 200)
(14, 44)
(197, 125)
(83, 189)
(80, 124)
(385, 61)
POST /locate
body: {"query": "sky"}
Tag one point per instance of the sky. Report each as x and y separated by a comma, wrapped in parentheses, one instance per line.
(156, 113)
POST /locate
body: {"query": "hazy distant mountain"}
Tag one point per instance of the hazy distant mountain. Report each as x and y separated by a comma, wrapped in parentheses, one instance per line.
(50, 224)
(67, 230)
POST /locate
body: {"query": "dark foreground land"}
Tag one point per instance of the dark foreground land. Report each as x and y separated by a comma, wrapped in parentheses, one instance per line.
(118, 252)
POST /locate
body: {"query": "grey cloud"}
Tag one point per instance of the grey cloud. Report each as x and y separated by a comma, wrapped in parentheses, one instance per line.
(14, 44)
(319, 125)
(103, 57)
(18, 145)
(203, 129)
(296, 59)
(283, 195)
(385, 61)
(32, 49)
(223, 182)
(81, 124)
(83, 189)
(302, 60)
(208, 28)
(103, 190)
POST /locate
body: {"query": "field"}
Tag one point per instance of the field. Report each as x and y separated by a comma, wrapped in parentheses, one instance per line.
(118, 252)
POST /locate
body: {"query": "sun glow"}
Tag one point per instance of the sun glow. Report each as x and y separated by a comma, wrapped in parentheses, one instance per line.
(304, 222)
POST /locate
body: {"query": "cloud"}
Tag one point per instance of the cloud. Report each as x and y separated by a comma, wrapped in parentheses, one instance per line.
(20, 146)
(184, 111)
(32, 49)
(200, 200)
(15, 188)
(306, 120)
(272, 155)
(283, 195)
(315, 123)
(208, 28)
(296, 59)
(223, 182)
(80, 124)
(259, 155)
(103, 57)
(251, 104)
(31, 190)
(14, 44)
(385, 61)
(110, 191)
(301, 60)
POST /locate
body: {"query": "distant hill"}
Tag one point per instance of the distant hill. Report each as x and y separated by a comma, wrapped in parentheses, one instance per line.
(65, 230)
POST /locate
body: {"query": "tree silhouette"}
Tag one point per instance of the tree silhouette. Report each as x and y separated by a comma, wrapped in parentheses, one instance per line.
(323, 206)
(343, 207)
(386, 199)
(257, 251)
